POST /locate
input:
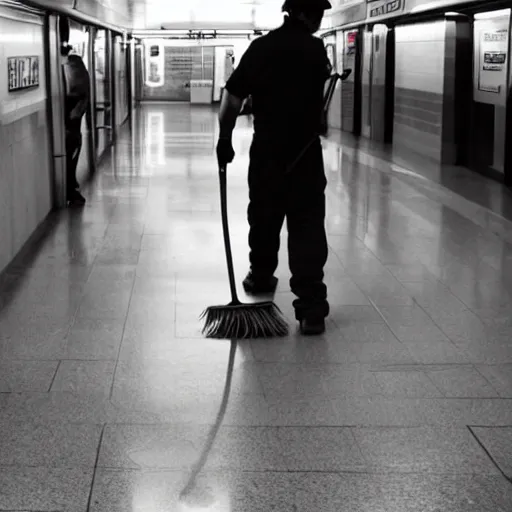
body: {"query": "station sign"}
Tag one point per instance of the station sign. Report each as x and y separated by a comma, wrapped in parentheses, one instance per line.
(381, 9)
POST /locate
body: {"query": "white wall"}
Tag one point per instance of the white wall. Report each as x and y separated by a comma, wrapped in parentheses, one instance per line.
(419, 56)
(419, 87)
(25, 192)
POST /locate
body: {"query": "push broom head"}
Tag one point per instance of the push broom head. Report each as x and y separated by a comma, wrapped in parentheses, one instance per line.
(244, 321)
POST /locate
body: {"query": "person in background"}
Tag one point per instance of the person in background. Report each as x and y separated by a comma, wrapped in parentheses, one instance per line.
(77, 97)
(284, 72)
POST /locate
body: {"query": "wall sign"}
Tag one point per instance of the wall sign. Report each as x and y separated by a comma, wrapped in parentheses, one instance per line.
(378, 9)
(351, 42)
(493, 59)
(23, 73)
(155, 65)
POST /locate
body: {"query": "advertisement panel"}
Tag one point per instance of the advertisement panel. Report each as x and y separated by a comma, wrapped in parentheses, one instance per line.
(492, 73)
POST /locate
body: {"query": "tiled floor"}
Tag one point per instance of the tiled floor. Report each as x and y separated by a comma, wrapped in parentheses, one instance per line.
(108, 393)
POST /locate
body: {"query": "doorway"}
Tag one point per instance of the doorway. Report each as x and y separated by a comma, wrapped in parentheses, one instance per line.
(490, 86)
(103, 99)
(377, 83)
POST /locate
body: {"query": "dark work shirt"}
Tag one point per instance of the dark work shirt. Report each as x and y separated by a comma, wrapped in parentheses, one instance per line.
(77, 88)
(284, 72)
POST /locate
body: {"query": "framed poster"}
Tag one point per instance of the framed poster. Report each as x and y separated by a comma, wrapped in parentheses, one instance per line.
(492, 73)
(331, 54)
(22, 72)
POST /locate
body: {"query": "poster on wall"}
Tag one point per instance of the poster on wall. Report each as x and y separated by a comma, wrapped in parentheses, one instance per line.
(351, 42)
(340, 44)
(331, 54)
(23, 73)
(155, 72)
(492, 74)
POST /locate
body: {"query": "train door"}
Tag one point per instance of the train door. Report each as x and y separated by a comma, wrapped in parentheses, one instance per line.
(351, 88)
(382, 84)
(377, 79)
(366, 82)
(490, 91)
(103, 108)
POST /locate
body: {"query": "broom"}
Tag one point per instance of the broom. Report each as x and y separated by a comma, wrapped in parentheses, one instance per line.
(237, 320)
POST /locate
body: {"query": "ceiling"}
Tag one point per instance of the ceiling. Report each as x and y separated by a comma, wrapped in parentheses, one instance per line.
(204, 14)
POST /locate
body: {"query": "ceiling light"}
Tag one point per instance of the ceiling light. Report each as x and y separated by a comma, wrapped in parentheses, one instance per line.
(492, 14)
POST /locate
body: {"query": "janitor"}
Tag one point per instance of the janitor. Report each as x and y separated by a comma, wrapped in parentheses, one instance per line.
(285, 72)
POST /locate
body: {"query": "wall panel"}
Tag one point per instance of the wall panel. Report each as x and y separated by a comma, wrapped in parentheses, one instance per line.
(419, 87)
(25, 185)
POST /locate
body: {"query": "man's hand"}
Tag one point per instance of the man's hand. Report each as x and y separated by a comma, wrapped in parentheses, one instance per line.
(225, 152)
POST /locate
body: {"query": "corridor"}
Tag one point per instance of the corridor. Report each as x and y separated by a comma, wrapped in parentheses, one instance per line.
(108, 391)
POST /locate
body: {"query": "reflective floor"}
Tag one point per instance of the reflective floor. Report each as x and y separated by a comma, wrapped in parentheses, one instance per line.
(111, 401)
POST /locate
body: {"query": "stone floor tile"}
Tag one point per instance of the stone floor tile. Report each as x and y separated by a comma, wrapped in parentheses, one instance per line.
(462, 382)
(162, 446)
(423, 449)
(320, 449)
(367, 333)
(437, 352)
(84, 377)
(382, 353)
(110, 306)
(498, 442)
(446, 492)
(57, 445)
(247, 449)
(339, 492)
(156, 379)
(347, 316)
(384, 290)
(412, 324)
(118, 491)
(90, 339)
(19, 376)
(45, 489)
(327, 348)
(499, 376)
(412, 384)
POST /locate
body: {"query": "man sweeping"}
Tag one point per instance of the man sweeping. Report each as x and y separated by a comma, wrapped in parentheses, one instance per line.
(285, 72)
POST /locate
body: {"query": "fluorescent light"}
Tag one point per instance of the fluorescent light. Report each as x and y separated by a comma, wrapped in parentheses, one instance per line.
(428, 7)
(492, 14)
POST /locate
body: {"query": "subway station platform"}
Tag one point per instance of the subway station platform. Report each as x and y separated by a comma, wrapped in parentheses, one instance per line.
(108, 391)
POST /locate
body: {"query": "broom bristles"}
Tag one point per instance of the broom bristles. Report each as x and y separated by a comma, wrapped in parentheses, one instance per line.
(244, 321)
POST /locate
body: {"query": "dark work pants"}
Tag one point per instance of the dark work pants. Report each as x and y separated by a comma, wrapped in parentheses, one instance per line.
(298, 196)
(73, 148)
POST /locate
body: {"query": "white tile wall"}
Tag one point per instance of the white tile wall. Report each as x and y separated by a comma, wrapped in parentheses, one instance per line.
(419, 68)
(420, 50)
(25, 191)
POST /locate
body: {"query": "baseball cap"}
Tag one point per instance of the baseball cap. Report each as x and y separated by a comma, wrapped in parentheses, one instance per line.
(324, 5)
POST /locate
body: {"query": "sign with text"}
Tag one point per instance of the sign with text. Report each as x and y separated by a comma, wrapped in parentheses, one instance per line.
(381, 9)
(23, 73)
(493, 58)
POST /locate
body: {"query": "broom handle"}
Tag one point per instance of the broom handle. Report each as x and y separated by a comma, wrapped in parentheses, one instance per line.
(327, 102)
(225, 231)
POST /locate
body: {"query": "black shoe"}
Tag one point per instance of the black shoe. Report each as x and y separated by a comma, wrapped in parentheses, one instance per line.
(76, 199)
(259, 286)
(312, 326)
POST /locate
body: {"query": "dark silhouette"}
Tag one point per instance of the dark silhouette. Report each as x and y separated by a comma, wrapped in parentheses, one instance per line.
(284, 73)
(77, 97)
